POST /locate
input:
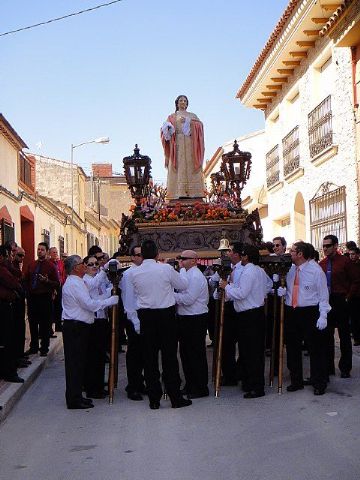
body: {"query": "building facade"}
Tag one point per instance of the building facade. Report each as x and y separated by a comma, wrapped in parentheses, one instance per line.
(306, 80)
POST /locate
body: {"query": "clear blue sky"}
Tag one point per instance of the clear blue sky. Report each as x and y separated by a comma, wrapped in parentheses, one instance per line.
(116, 72)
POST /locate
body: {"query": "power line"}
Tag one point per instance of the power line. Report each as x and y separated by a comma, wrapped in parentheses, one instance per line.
(60, 18)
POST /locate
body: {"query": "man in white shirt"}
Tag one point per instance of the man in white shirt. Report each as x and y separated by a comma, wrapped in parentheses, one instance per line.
(307, 306)
(78, 315)
(192, 311)
(154, 285)
(135, 350)
(97, 282)
(249, 296)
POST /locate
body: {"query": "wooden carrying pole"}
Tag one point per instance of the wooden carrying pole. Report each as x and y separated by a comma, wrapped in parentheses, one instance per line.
(219, 343)
(281, 338)
(273, 340)
(113, 365)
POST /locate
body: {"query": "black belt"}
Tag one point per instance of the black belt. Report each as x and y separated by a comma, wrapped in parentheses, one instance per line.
(74, 322)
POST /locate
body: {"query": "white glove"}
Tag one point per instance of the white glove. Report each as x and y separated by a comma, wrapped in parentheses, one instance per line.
(321, 323)
(216, 295)
(215, 277)
(106, 266)
(113, 300)
(137, 327)
(275, 277)
(281, 292)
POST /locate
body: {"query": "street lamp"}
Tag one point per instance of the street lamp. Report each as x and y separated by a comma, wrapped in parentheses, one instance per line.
(103, 140)
(137, 173)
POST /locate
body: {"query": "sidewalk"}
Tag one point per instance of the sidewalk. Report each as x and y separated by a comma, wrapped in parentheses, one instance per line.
(10, 393)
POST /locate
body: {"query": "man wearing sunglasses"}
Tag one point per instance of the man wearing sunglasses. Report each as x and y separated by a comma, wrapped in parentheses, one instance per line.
(342, 281)
(192, 310)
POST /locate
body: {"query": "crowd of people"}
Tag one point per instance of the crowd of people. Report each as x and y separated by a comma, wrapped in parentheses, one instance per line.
(168, 312)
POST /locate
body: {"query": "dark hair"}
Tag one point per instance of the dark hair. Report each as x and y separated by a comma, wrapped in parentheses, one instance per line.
(9, 244)
(304, 249)
(132, 249)
(86, 259)
(282, 240)
(237, 247)
(4, 252)
(333, 238)
(149, 249)
(177, 102)
(44, 244)
(351, 245)
(252, 253)
(311, 250)
(269, 246)
(94, 250)
(355, 249)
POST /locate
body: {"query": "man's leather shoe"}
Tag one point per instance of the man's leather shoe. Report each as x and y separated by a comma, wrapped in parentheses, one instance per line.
(53, 336)
(345, 375)
(134, 396)
(181, 402)
(31, 351)
(79, 406)
(14, 379)
(43, 354)
(254, 394)
(96, 395)
(87, 401)
(198, 394)
(307, 382)
(154, 404)
(294, 388)
(319, 391)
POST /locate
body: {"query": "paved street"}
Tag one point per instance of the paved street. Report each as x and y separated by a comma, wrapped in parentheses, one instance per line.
(295, 436)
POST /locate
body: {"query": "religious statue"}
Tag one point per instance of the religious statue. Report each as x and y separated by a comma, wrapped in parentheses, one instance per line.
(182, 137)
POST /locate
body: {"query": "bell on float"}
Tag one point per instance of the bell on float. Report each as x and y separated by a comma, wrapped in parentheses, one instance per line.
(224, 244)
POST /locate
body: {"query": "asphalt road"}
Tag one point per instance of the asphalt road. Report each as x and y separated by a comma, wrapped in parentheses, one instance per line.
(294, 436)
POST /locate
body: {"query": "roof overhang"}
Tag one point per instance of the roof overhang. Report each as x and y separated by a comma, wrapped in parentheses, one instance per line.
(295, 34)
(9, 132)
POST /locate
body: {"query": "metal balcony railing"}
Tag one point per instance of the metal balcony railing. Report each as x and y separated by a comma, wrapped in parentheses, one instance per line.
(320, 127)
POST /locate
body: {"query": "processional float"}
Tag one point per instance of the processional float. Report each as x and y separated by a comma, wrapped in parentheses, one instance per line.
(200, 224)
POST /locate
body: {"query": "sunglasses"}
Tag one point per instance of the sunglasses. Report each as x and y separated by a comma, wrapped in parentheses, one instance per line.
(137, 255)
(20, 254)
(92, 264)
(277, 245)
(100, 257)
(328, 245)
(185, 258)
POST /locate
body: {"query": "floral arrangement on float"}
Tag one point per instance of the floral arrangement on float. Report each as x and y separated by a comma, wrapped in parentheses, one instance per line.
(153, 209)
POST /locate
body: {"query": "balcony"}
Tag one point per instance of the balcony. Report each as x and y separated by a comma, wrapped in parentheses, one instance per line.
(26, 172)
(320, 128)
(291, 152)
(273, 167)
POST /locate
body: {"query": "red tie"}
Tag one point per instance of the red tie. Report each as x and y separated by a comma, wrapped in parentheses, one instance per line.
(295, 291)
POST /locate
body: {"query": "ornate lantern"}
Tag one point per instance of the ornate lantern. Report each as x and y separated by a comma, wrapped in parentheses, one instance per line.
(137, 173)
(236, 166)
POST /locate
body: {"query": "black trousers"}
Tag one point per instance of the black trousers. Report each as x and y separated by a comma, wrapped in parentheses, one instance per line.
(19, 325)
(159, 332)
(250, 331)
(300, 324)
(76, 339)
(7, 340)
(134, 360)
(211, 318)
(192, 343)
(354, 310)
(338, 317)
(96, 355)
(39, 316)
(56, 313)
(230, 337)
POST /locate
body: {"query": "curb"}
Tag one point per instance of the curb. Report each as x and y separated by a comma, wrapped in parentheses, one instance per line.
(11, 393)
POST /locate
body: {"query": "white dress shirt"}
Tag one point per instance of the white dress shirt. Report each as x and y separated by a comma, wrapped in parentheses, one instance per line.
(154, 284)
(313, 288)
(251, 289)
(194, 300)
(77, 303)
(98, 289)
(129, 298)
